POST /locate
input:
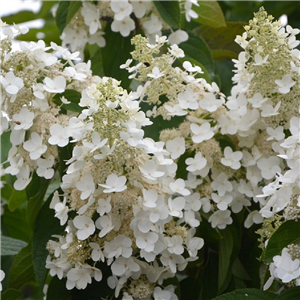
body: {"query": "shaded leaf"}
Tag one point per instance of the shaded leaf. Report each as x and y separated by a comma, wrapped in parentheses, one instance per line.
(71, 95)
(247, 294)
(225, 252)
(196, 48)
(57, 290)
(209, 278)
(21, 270)
(97, 63)
(93, 290)
(292, 293)
(45, 226)
(205, 74)
(54, 185)
(17, 198)
(11, 294)
(154, 130)
(115, 53)
(239, 271)
(224, 71)
(222, 54)
(64, 154)
(210, 13)
(190, 287)
(276, 8)
(10, 246)
(169, 12)
(222, 39)
(286, 234)
(224, 141)
(16, 224)
(35, 191)
(61, 15)
(73, 8)
(5, 145)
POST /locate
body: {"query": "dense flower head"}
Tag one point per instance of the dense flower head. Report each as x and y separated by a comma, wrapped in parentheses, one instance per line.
(200, 104)
(261, 115)
(267, 76)
(123, 216)
(268, 68)
(32, 82)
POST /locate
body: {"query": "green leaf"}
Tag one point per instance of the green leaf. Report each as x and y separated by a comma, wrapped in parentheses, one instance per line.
(64, 154)
(19, 17)
(61, 15)
(21, 270)
(292, 293)
(54, 185)
(210, 13)
(71, 95)
(45, 226)
(196, 48)
(221, 40)
(286, 234)
(169, 12)
(93, 290)
(210, 275)
(35, 194)
(225, 141)
(115, 53)
(225, 252)
(16, 224)
(65, 12)
(221, 54)
(57, 290)
(73, 8)
(11, 294)
(190, 287)
(5, 145)
(239, 271)
(16, 199)
(247, 294)
(10, 246)
(97, 63)
(205, 74)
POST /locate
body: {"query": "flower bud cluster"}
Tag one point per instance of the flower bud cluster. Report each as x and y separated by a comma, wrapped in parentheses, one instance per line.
(32, 82)
(88, 24)
(120, 201)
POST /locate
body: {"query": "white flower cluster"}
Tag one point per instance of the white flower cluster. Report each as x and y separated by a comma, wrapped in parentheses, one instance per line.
(129, 212)
(133, 204)
(264, 112)
(268, 76)
(285, 268)
(31, 79)
(213, 173)
(260, 163)
(125, 16)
